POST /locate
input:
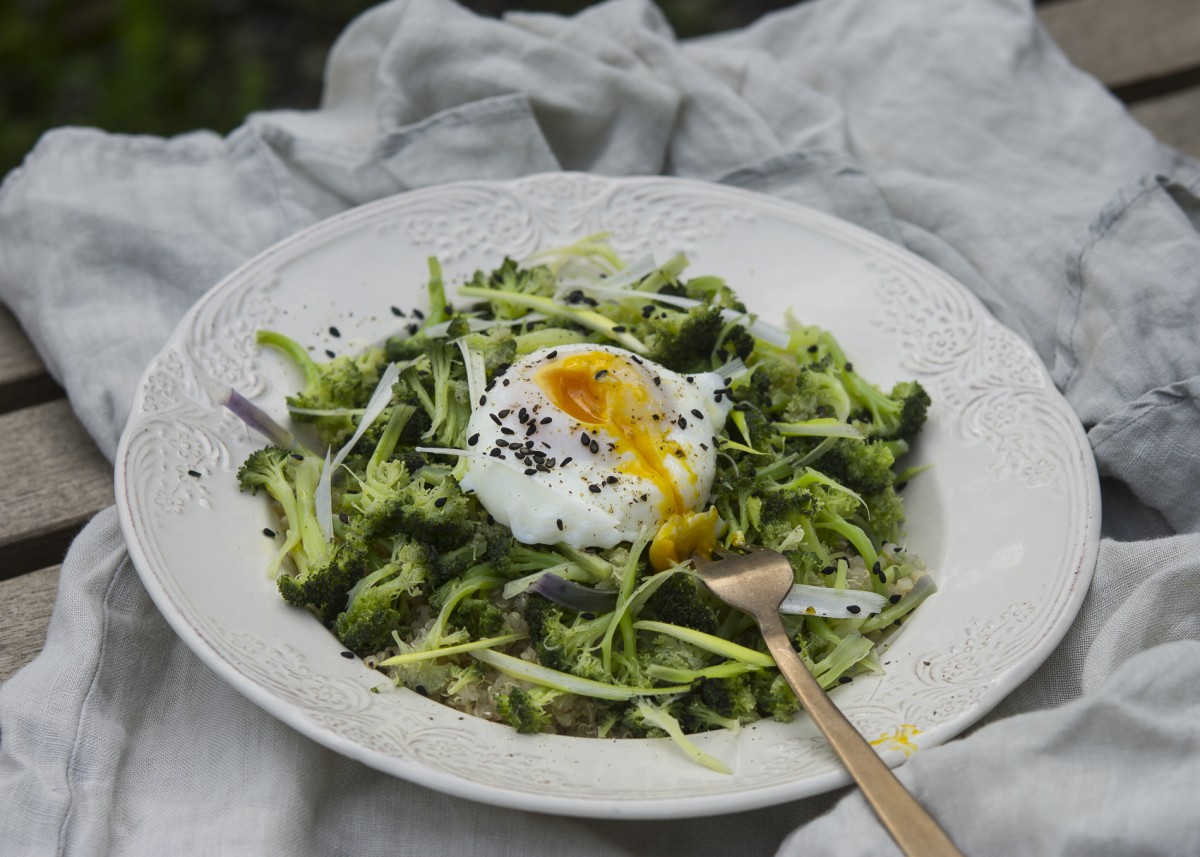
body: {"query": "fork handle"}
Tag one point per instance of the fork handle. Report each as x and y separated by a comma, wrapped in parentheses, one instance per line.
(910, 826)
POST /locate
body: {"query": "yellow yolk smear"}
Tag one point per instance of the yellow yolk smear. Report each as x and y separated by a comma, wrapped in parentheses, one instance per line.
(682, 535)
(604, 391)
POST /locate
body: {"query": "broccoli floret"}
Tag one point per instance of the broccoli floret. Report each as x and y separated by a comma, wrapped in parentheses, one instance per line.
(375, 606)
(779, 513)
(346, 382)
(730, 697)
(438, 513)
(679, 601)
(291, 479)
(565, 647)
(865, 468)
(773, 696)
(683, 341)
(885, 515)
(898, 415)
(525, 710)
(739, 342)
(325, 589)
(479, 617)
(663, 650)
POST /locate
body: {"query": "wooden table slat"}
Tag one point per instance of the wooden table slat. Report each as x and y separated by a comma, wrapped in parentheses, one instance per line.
(1122, 41)
(1174, 119)
(23, 379)
(54, 481)
(25, 606)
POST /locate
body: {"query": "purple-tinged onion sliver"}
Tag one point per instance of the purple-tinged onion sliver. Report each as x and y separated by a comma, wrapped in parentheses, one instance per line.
(568, 593)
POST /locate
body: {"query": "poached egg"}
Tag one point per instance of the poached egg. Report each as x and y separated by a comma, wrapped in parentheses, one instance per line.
(590, 445)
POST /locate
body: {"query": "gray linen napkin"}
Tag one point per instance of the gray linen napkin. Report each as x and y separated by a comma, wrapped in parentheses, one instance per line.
(955, 129)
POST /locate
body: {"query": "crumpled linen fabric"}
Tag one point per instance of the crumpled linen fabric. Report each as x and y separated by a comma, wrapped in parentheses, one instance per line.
(957, 130)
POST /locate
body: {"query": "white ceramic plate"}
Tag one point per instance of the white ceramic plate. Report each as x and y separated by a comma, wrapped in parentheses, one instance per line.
(1007, 520)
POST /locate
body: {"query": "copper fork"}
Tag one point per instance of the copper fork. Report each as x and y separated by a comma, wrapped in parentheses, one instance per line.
(755, 583)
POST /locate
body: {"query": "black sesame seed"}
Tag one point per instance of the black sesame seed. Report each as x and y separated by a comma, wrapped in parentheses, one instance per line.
(546, 420)
(584, 439)
(490, 520)
(506, 430)
(849, 366)
(532, 428)
(595, 447)
(682, 422)
(566, 461)
(473, 439)
(418, 314)
(697, 414)
(501, 442)
(689, 379)
(348, 655)
(829, 569)
(657, 381)
(610, 479)
(853, 608)
(412, 328)
(504, 383)
(704, 446)
(195, 474)
(482, 401)
(495, 453)
(812, 349)
(553, 354)
(620, 328)
(559, 523)
(334, 332)
(895, 599)
(601, 373)
(595, 489)
(268, 532)
(330, 354)
(494, 418)
(297, 456)
(529, 471)
(396, 311)
(504, 413)
(845, 679)
(439, 502)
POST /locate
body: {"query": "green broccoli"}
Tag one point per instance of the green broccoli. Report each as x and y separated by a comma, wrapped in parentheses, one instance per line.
(479, 617)
(773, 697)
(343, 384)
(679, 601)
(326, 588)
(732, 697)
(683, 341)
(525, 710)
(865, 468)
(570, 648)
(375, 605)
(290, 478)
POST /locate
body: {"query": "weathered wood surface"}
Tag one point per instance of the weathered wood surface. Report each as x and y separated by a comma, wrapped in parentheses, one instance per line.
(25, 605)
(1146, 51)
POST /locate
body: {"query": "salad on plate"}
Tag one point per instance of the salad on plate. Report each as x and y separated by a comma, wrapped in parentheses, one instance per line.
(496, 507)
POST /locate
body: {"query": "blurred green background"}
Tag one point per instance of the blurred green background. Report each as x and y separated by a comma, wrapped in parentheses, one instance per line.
(168, 66)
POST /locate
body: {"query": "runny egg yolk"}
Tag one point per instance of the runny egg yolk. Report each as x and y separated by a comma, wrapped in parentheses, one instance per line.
(602, 390)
